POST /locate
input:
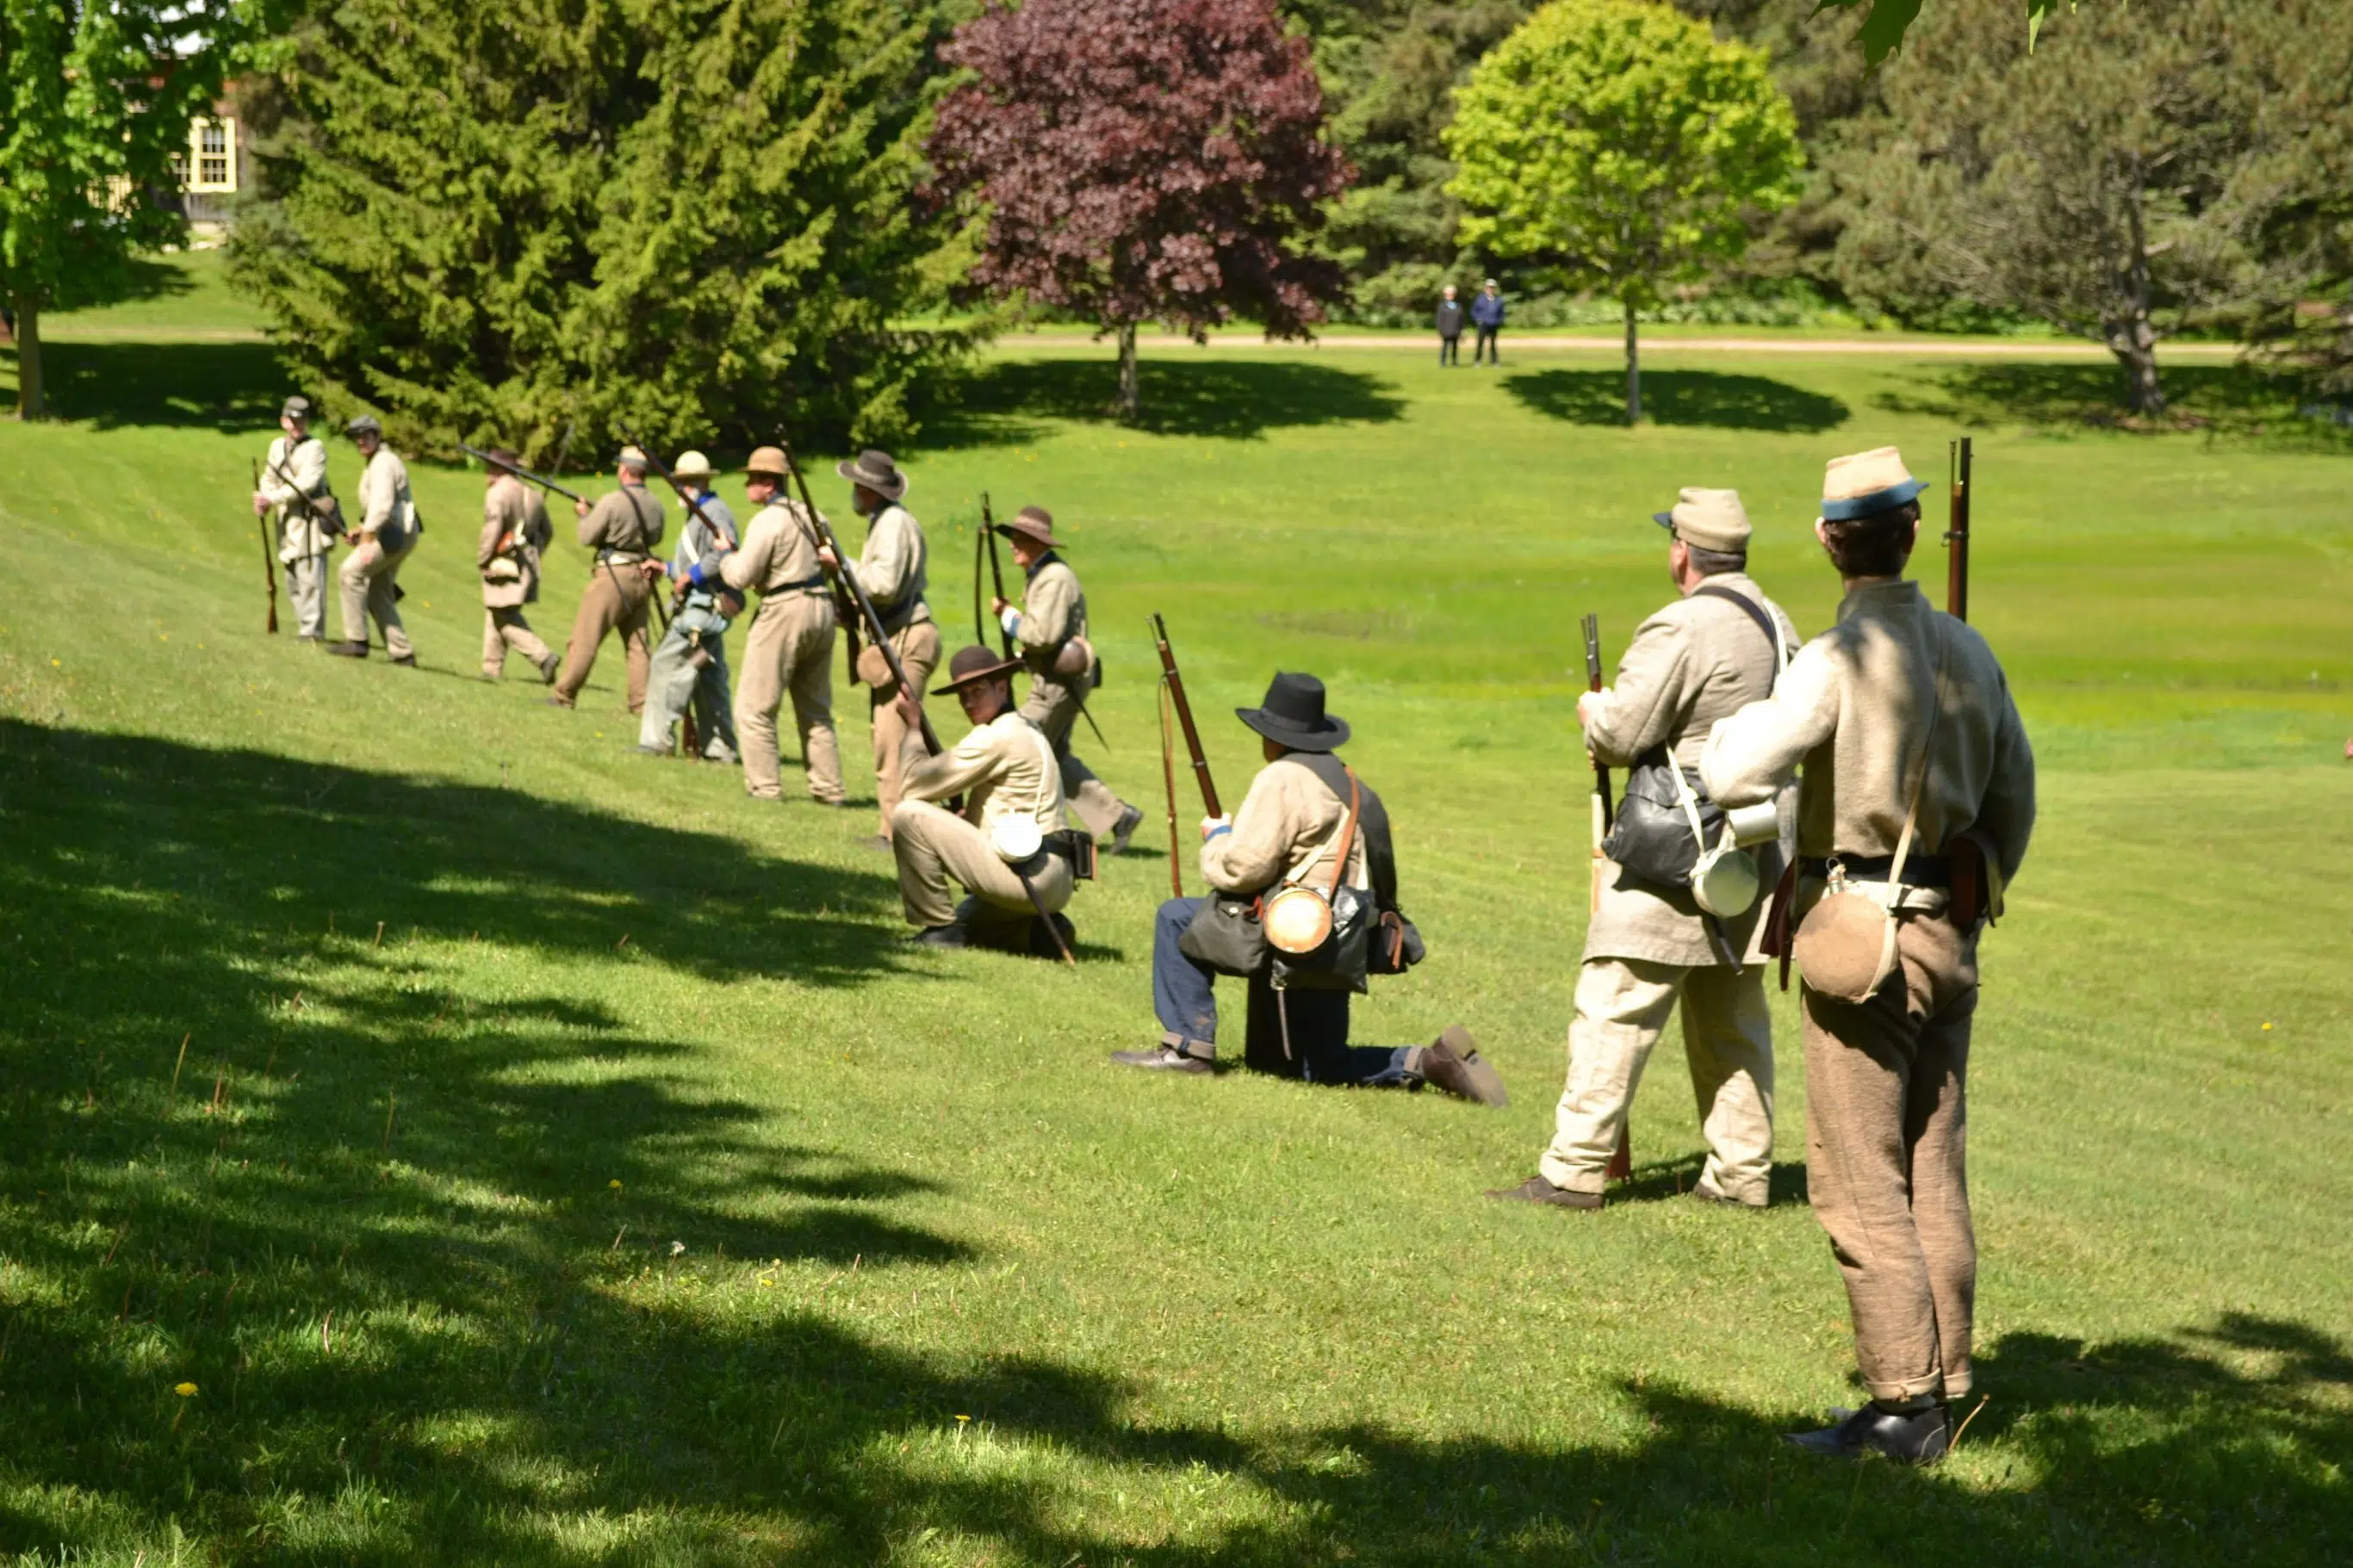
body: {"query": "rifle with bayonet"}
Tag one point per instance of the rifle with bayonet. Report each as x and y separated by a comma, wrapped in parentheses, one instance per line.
(1174, 705)
(269, 555)
(1621, 1161)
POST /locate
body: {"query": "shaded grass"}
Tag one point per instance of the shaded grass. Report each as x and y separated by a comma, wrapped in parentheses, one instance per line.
(2248, 406)
(1725, 401)
(1237, 1322)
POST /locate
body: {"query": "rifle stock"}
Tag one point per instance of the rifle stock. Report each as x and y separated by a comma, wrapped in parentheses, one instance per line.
(1621, 1159)
(1956, 535)
(1176, 685)
(269, 556)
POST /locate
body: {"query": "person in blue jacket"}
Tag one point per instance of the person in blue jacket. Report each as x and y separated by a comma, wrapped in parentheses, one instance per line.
(1487, 315)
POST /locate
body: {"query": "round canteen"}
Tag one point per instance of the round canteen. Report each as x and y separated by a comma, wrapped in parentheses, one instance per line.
(1841, 946)
(1724, 882)
(1296, 920)
(1015, 839)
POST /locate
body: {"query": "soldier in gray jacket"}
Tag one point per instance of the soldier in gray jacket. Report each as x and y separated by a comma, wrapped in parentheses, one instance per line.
(380, 542)
(294, 485)
(1649, 948)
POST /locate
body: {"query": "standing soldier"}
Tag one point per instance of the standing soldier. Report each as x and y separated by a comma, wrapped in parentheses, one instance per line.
(1649, 947)
(1049, 629)
(790, 644)
(689, 667)
(516, 533)
(388, 530)
(891, 570)
(1008, 849)
(1914, 810)
(294, 485)
(623, 530)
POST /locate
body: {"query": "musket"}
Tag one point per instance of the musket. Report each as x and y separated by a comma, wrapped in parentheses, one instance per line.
(996, 572)
(1176, 685)
(692, 504)
(1168, 778)
(269, 556)
(526, 475)
(1956, 535)
(845, 610)
(1621, 1161)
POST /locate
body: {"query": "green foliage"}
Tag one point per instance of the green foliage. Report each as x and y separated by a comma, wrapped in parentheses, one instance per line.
(690, 214)
(1620, 142)
(89, 125)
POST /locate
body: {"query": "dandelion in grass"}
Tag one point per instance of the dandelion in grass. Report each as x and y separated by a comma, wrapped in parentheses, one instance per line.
(614, 1183)
(185, 1389)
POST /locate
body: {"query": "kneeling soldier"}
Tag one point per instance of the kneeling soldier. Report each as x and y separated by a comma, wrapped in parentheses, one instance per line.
(1308, 822)
(387, 533)
(1650, 950)
(1050, 629)
(1008, 849)
(1905, 724)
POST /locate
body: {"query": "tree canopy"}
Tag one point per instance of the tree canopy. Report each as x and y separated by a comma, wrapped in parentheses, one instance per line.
(1140, 160)
(1620, 143)
(691, 216)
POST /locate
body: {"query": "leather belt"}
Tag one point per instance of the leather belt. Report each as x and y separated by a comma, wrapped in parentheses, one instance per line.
(620, 557)
(1919, 870)
(799, 585)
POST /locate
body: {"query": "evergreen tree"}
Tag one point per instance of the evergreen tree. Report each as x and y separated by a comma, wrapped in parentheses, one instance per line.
(95, 100)
(684, 216)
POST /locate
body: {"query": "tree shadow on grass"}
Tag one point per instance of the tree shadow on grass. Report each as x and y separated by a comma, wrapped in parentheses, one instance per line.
(1007, 402)
(1692, 397)
(216, 385)
(2230, 401)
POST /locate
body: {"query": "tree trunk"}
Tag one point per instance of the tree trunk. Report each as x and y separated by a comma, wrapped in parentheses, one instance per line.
(2130, 337)
(32, 402)
(1130, 403)
(1633, 370)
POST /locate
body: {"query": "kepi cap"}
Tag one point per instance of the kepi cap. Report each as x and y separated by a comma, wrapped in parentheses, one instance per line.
(1865, 482)
(364, 425)
(296, 407)
(631, 457)
(1711, 520)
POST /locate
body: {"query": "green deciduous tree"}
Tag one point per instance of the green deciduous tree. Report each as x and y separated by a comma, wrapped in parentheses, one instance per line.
(1621, 142)
(687, 216)
(95, 100)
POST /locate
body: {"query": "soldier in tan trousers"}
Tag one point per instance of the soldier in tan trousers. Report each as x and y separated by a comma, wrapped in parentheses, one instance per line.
(789, 648)
(1648, 950)
(622, 529)
(294, 485)
(1050, 628)
(380, 540)
(891, 569)
(1919, 798)
(1007, 844)
(516, 533)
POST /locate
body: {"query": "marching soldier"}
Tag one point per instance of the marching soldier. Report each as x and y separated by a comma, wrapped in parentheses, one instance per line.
(1007, 850)
(1649, 949)
(1049, 626)
(790, 644)
(891, 569)
(689, 667)
(1914, 810)
(1293, 825)
(516, 533)
(388, 530)
(294, 485)
(623, 530)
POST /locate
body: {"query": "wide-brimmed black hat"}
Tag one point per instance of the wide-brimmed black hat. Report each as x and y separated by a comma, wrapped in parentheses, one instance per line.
(1293, 716)
(973, 665)
(877, 472)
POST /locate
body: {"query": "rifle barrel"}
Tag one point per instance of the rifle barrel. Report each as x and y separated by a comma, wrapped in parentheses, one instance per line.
(692, 503)
(1956, 535)
(1185, 717)
(995, 570)
(518, 471)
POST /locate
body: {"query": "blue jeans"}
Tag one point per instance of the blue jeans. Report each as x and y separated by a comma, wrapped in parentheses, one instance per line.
(1318, 1049)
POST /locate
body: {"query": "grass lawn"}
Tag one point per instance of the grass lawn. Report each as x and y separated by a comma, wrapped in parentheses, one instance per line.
(533, 1152)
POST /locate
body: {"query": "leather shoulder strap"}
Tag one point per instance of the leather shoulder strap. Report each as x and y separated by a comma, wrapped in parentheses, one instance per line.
(1756, 612)
(1347, 833)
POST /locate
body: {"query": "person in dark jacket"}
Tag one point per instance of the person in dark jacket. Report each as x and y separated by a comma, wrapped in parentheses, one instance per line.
(1450, 329)
(1487, 315)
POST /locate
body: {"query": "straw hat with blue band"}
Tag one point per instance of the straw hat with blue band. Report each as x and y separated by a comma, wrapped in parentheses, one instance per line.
(1867, 482)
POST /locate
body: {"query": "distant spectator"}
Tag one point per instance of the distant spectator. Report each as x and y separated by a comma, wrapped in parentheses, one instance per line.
(1487, 315)
(1450, 329)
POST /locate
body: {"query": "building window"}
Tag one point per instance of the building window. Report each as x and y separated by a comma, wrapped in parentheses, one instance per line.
(212, 163)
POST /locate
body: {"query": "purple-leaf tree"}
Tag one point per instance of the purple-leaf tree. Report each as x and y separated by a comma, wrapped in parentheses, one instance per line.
(1144, 159)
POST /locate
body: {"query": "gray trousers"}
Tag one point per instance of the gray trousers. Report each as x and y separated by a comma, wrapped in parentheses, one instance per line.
(1053, 707)
(306, 586)
(678, 683)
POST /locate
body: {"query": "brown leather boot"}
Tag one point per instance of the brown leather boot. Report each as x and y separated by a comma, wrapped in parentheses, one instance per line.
(1452, 1063)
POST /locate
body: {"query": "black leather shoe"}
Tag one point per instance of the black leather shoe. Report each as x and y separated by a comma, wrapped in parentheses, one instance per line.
(1452, 1063)
(1124, 829)
(1166, 1057)
(1536, 1190)
(559, 702)
(348, 649)
(941, 936)
(547, 670)
(406, 662)
(1919, 1437)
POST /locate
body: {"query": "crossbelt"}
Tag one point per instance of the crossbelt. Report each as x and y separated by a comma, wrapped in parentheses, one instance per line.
(1919, 870)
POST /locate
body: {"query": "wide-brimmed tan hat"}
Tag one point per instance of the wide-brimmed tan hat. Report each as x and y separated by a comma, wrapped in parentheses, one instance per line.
(1865, 482)
(1033, 522)
(877, 472)
(1711, 520)
(691, 464)
(974, 664)
(767, 461)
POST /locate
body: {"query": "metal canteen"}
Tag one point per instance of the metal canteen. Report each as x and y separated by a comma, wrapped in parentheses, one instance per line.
(1757, 824)
(1015, 838)
(1296, 921)
(1724, 882)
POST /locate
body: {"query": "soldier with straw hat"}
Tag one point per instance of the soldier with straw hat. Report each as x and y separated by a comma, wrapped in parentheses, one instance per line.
(1049, 629)
(689, 668)
(791, 639)
(891, 569)
(1914, 812)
